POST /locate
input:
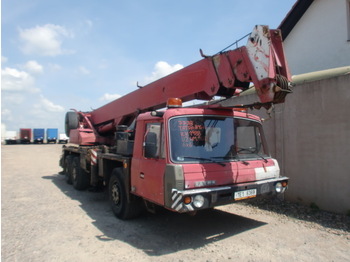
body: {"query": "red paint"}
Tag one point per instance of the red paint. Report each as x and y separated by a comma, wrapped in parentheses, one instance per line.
(222, 175)
(25, 135)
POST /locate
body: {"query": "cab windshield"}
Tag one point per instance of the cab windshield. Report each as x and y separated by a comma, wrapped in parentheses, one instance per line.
(215, 139)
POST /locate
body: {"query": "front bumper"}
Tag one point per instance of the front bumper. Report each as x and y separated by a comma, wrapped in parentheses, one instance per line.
(218, 196)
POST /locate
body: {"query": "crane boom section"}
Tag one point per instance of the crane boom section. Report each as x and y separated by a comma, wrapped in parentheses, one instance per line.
(183, 84)
(260, 61)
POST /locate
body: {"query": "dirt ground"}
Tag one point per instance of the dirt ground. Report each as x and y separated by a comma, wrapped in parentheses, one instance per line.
(45, 219)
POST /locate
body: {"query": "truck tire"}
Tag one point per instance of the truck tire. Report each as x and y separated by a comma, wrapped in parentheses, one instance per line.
(71, 121)
(80, 177)
(68, 165)
(121, 207)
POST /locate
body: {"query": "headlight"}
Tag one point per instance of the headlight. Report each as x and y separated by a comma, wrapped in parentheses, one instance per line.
(279, 188)
(198, 201)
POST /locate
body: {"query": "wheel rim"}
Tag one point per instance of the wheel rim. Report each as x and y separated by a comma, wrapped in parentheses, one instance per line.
(115, 194)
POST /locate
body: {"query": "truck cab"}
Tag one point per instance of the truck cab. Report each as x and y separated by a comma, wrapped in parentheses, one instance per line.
(197, 158)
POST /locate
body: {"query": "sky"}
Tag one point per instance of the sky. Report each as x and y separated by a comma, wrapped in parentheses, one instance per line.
(58, 55)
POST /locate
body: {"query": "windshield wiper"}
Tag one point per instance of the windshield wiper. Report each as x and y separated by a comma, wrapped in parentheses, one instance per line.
(263, 158)
(236, 157)
(205, 159)
(252, 151)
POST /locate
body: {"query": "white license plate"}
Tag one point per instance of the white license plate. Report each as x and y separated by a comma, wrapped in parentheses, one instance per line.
(245, 194)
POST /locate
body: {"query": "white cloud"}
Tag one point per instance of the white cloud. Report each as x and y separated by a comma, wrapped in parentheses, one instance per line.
(54, 67)
(15, 80)
(14, 98)
(5, 113)
(34, 67)
(44, 40)
(35, 110)
(83, 70)
(109, 97)
(103, 64)
(3, 59)
(88, 23)
(162, 69)
(3, 129)
(47, 105)
(23, 105)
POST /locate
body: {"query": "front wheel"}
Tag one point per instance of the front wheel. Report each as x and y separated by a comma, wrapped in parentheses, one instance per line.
(118, 198)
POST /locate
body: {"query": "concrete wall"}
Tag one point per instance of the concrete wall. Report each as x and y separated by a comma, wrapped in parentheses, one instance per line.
(310, 137)
(320, 39)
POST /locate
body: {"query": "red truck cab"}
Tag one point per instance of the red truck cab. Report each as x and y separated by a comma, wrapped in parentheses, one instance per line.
(197, 158)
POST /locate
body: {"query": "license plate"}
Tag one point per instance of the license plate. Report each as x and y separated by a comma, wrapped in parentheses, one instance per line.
(239, 195)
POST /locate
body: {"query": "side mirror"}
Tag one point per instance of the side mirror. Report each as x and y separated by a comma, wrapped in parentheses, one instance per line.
(150, 145)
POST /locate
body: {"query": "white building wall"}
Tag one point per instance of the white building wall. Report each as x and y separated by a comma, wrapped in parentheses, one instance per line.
(320, 40)
(309, 136)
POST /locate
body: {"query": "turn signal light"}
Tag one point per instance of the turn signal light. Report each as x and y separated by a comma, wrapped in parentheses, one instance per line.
(174, 102)
(187, 200)
(284, 183)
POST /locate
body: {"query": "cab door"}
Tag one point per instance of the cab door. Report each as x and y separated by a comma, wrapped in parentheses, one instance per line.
(149, 166)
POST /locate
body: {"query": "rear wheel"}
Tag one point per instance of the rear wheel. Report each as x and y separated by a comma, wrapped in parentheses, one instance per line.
(118, 198)
(80, 177)
(68, 166)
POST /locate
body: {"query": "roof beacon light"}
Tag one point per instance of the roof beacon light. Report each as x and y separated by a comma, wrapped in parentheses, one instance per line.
(240, 108)
(174, 102)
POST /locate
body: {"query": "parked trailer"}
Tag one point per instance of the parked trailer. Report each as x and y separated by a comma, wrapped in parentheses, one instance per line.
(25, 135)
(51, 135)
(10, 137)
(38, 135)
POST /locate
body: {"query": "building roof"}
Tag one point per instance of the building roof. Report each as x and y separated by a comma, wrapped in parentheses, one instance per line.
(293, 16)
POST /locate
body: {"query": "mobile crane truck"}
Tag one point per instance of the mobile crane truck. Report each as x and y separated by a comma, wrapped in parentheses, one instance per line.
(149, 151)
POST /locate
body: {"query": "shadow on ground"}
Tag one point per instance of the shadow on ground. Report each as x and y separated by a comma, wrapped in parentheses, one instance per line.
(157, 234)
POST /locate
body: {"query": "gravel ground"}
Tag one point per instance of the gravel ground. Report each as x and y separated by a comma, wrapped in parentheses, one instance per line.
(338, 224)
(45, 219)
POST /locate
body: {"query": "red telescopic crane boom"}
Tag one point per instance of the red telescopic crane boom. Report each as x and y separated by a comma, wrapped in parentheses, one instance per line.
(261, 62)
